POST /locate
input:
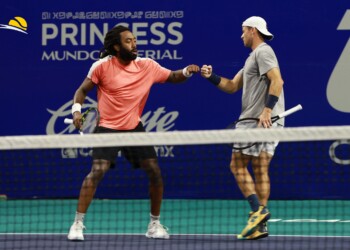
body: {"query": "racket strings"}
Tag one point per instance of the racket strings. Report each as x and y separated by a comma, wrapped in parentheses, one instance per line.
(90, 120)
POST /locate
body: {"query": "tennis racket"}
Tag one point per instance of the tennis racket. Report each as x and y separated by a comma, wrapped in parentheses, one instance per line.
(90, 119)
(253, 122)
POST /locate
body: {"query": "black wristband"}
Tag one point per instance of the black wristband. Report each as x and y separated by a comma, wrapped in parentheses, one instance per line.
(214, 79)
(271, 101)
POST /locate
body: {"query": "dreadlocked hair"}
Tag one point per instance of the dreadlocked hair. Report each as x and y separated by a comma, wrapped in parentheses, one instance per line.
(112, 38)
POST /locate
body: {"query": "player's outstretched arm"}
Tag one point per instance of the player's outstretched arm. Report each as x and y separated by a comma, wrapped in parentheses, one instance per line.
(183, 74)
(226, 85)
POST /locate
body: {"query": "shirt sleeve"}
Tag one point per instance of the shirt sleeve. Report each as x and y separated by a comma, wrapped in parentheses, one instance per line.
(161, 74)
(266, 60)
(95, 72)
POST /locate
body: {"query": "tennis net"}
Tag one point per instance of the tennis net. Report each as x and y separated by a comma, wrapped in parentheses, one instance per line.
(203, 208)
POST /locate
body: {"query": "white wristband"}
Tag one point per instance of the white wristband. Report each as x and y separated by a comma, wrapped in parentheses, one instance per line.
(76, 107)
(184, 72)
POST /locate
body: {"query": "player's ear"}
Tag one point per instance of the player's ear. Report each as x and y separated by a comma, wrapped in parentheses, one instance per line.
(252, 31)
(116, 47)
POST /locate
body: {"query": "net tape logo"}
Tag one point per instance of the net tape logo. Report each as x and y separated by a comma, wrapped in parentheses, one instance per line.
(18, 24)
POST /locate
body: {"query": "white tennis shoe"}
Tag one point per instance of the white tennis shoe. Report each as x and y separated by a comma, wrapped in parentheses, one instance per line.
(76, 231)
(157, 231)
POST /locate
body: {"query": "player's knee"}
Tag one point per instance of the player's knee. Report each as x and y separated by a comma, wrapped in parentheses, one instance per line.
(97, 174)
(234, 169)
(260, 170)
(237, 170)
(98, 170)
(153, 171)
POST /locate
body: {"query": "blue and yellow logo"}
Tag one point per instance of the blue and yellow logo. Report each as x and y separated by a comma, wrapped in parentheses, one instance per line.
(17, 24)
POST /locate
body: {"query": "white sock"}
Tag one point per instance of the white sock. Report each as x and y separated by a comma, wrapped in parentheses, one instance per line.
(79, 217)
(154, 218)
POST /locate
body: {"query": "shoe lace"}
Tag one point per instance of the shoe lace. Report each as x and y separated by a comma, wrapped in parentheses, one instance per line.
(156, 226)
(79, 226)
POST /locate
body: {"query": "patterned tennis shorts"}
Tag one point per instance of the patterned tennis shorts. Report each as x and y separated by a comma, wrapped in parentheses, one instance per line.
(268, 147)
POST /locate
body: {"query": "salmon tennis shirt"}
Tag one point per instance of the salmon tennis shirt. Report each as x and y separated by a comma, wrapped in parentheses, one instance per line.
(122, 91)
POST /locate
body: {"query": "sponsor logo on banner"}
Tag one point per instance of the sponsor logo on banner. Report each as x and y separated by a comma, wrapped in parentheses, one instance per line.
(338, 89)
(79, 36)
(158, 120)
(339, 152)
(18, 24)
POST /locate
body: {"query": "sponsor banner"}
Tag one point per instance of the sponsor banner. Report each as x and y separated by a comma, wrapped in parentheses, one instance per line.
(47, 51)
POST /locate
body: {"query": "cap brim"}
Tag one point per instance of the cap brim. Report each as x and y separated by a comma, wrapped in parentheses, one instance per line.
(269, 38)
(266, 33)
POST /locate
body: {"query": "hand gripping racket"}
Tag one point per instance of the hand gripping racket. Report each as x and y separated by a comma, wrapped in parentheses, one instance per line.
(252, 122)
(90, 119)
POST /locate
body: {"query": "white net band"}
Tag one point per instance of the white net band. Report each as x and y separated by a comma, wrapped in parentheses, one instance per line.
(195, 137)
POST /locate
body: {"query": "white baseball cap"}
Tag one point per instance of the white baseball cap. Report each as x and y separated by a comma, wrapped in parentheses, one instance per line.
(260, 24)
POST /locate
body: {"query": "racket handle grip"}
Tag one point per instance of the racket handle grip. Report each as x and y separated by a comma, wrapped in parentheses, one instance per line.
(290, 111)
(68, 121)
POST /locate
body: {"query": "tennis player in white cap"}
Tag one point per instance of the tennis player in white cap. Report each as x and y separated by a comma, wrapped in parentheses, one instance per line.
(262, 97)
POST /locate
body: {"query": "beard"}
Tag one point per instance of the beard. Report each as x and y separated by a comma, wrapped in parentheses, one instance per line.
(126, 55)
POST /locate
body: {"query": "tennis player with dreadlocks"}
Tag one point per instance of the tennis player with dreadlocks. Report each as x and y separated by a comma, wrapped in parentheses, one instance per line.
(123, 83)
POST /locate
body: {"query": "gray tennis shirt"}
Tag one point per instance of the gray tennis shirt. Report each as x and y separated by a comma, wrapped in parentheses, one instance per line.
(256, 84)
